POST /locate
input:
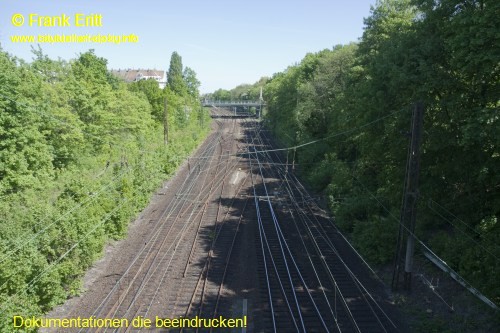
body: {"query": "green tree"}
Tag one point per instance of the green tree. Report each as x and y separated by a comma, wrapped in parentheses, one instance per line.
(175, 80)
(25, 158)
(154, 95)
(191, 82)
(221, 95)
(444, 53)
(61, 127)
(75, 144)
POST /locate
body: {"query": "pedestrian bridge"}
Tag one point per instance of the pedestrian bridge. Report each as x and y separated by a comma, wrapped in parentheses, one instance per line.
(221, 104)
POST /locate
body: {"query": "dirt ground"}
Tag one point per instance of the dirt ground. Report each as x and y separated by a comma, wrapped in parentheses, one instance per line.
(437, 303)
(240, 287)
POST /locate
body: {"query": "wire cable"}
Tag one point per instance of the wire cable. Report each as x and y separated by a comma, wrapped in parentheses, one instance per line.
(68, 212)
(429, 251)
(322, 139)
(303, 218)
(33, 281)
(477, 233)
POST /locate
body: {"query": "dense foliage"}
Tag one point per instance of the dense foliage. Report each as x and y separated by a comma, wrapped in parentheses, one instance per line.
(243, 92)
(80, 154)
(354, 102)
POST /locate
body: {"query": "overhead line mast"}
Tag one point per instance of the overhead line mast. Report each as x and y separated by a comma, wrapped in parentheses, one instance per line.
(409, 208)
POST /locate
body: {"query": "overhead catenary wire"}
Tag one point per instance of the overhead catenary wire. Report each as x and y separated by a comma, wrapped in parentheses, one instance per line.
(321, 287)
(297, 181)
(303, 218)
(431, 201)
(319, 140)
(224, 172)
(81, 204)
(156, 231)
(44, 114)
(30, 284)
(280, 243)
(315, 141)
(91, 198)
(467, 235)
(338, 291)
(431, 253)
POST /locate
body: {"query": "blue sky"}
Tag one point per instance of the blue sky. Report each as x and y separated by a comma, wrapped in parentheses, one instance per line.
(225, 42)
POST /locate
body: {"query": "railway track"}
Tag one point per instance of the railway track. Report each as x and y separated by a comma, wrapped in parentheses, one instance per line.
(150, 272)
(310, 286)
(193, 250)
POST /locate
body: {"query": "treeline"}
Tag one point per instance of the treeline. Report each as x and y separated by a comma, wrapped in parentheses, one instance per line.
(355, 101)
(250, 92)
(80, 154)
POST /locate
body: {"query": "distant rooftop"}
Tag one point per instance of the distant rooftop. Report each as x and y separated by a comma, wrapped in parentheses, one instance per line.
(132, 75)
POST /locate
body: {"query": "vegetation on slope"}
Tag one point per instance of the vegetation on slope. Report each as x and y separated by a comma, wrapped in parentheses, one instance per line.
(80, 154)
(354, 103)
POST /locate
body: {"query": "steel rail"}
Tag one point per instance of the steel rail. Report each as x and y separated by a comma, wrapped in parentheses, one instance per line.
(304, 218)
(156, 231)
(280, 233)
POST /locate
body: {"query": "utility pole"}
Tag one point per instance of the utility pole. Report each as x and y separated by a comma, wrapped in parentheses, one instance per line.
(165, 122)
(409, 209)
(261, 99)
(201, 116)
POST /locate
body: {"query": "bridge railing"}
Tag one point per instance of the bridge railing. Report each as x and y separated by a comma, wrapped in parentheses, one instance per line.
(232, 103)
